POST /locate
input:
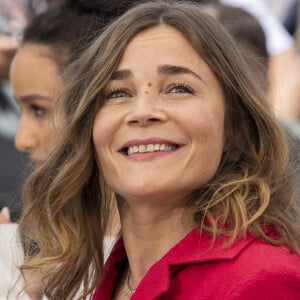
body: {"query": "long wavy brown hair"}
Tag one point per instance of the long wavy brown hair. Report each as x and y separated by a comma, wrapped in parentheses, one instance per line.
(67, 203)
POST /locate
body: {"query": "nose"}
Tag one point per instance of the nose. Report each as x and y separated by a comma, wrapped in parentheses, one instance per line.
(145, 111)
(26, 139)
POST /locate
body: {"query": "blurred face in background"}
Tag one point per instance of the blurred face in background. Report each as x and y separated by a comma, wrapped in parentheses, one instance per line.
(36, 82)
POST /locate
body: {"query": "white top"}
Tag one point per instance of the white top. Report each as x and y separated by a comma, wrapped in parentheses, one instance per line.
(108, 244)
(11, 256)
(278, 39)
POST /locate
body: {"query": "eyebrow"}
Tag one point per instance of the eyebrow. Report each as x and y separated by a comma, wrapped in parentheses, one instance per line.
(121, 75)
(162, 69)
(32, 98)
(174, 70)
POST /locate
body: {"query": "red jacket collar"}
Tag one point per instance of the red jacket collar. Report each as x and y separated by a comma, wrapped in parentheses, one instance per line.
(193, 248)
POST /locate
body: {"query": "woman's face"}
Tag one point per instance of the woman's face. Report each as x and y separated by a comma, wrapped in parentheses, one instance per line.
(160, 133)
(36, 83)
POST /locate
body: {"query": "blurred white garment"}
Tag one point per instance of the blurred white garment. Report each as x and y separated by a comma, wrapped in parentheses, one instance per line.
(109, 242)
(277, 37)
(10, 258)
(280, 7)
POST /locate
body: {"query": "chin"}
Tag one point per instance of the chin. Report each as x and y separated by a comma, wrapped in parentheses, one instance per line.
(151, 194)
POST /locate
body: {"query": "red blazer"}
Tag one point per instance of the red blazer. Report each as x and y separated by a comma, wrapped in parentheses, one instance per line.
(250, 269)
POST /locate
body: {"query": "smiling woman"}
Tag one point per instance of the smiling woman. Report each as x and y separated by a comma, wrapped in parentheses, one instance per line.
(162, 115)
(140, 118)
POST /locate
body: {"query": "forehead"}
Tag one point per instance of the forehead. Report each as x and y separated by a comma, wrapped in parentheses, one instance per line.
(34, 70)
(163, 45)
(157, 43)
(32, 54)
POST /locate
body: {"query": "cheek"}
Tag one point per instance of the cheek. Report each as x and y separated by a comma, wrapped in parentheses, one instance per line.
(102, 131)
(49, 134)
(205, 124)
(206, 130)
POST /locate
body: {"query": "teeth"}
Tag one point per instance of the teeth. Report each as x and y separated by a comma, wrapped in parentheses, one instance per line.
(149, 148)
(142, 148)
(156, 147)
(162, 147)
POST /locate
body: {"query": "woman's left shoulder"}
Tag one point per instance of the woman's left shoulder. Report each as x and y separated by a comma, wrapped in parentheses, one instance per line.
(268, 271)
(270, 257)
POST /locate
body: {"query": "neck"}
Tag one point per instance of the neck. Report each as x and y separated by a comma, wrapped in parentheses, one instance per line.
(113, 226)
(150, 232)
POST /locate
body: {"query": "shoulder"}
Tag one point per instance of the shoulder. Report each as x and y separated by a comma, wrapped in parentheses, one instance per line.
(272, 285)
(268, 270)
(261, 257)
(258, 270)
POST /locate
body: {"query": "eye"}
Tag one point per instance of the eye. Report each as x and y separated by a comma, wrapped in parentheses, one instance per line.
(118, 93)
(180, 88)
(38, 111)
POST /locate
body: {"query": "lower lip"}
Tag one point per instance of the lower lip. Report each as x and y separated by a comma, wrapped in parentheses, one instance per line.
(149, 156)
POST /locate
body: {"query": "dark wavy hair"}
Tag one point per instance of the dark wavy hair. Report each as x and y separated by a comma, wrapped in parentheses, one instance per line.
(68, 27)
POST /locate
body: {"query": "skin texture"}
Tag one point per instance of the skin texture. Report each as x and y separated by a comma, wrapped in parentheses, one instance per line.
(284, 85)
(36, 82)
(149, 104)
(147, 101)
(4, 216)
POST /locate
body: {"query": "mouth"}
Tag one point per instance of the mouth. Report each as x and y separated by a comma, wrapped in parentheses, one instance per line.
(148, 148)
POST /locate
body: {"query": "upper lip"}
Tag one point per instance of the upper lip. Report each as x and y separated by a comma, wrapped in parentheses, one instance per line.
(155, 140)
